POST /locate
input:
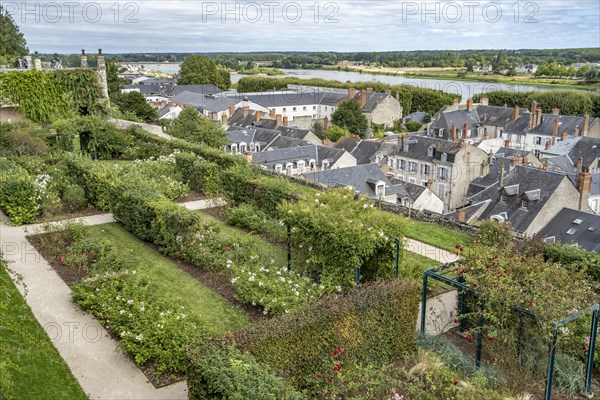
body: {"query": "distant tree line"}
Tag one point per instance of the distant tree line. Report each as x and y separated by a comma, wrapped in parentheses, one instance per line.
(570, 102)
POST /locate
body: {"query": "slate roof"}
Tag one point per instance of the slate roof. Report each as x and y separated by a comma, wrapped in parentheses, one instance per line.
(521, 179)
(561, 163)
(497, 116)
(445, 120)
(418, 148)
(492, 178)
(586, 147)
(174, 90)
(146, 90)
(585, 233)
(347, 143)
(361, 177)
(565, 123)
(293, 154)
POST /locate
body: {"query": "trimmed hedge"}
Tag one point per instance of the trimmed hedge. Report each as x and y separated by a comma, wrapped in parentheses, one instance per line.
(575, 258)
(18, 193)
(220, 371)
(372, 326)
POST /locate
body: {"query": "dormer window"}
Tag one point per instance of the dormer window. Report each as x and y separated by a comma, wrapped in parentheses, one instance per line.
(325, 164)
(257, 147)
(234, 148)
(431, 151)
(278, 168)
(503, 198)
(444, 157)
(288, 168)
(406, 147)
(524, 204)
(301, 166)
(379, 159)
(312, 164)
(380, 189)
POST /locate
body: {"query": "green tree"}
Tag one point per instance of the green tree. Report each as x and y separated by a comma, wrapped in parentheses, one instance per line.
(413, 126)
(136, 103)
(318, 128)
(115, 83)
(349, 115)
(193, 127)
(334, 133)
(200, 70)
(12, 41)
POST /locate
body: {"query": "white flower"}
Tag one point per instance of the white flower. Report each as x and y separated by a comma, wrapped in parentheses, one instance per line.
(234, 280)
(253, 304)
(265, 312)
(122, 334)
(139, 337)
(322, 287)
(308, 261)
(317, 201)
(251, 279)
(365, 206)
(338, 288)
(142, 308)
(260, 283)
(282, 279)
(129, 301)
(122, 312)
(318, 195)
(182, 316)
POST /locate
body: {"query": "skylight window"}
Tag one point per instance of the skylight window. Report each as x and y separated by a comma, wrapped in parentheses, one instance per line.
(578, 221)
(571, 231)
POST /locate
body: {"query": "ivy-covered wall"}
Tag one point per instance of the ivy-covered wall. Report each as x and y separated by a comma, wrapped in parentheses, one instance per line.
(46, 96)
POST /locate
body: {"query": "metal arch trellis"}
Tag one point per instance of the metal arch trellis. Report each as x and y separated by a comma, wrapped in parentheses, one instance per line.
(445, 273)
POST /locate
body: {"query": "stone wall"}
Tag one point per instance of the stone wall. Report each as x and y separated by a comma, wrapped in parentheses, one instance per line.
(11, 114)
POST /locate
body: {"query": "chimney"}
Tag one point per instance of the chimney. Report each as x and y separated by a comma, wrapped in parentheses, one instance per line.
(272, 113)
(501, 178)
(516, 113)
(462, 144)
(401, 141)
(584, 183)
(351, 93)
(555, 111)
(246, 111)
(549, 144)
(531, 120)
(564, 135)
(554, 131)
(465, 130)
(285, 121)
(325, 123)
(224, 119)
(454, 134)
(231, 111)
(507, 143)
(258, 116)
(455, 102)
(461, 215)
(576, 131)
(579, 164)
(539, 115)
(363, 98)
(469, 104)
(534, 106)
(278, 118)
(484, 101)
(326, 142)
(586, 124)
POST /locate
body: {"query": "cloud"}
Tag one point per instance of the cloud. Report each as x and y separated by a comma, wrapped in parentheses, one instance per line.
(304, 25)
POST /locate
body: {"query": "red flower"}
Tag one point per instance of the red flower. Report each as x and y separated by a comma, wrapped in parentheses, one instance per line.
(227, 248)
(457, 246)
(491, 338)
(319, 376)
(62, 259)
(338, 351)
(455, 382)
(337, 367)
(456, 321)
(329, 380)
(467, 338)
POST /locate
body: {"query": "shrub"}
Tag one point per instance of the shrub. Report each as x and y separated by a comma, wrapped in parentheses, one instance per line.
(18, 193)
(372, 326)
(575, 258)
(73, 197)
(220, 371)
(248, 217)
(21, 139)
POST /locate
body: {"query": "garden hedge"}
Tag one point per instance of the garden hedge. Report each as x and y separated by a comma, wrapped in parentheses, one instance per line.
(219, 371)
(372, 326)
(18, 193)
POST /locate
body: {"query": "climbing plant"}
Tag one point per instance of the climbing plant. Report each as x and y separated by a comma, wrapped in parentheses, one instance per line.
(46, 96)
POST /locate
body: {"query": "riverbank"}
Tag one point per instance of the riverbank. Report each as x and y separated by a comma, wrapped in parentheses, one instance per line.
(454, 74)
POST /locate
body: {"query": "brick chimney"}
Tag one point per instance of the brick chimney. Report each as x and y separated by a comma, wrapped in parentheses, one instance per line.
(462, 144)
(246, 111)
(555, 111)
(579, 164)
(554, 131)
(363, 98)
(564, 135)
(272, 114)
(534, 107)
(461, 215)
(224, 119)
(507, 143)
(401, 141)
(231, 111)
(516, 113)
(454, 134)
(531, 120)
(285, 121)
(351, 93)
(465, 130)
(586, 124)
(258, 116)
(576, 131)
(549, 144)
(469, 104)
(539, 114)
(501, 178)
(584, 183)
(279, 119)
(325, 123)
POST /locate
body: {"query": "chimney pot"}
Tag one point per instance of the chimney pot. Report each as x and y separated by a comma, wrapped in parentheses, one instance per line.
(586, 124)
(258, 116)
(516, 113)
(469, 104)
(579, 164)
(454, 133)
(576, 131)
(564, 135)
(507, 143)
(272, 114)
(224, 118)
(279, 119)
(285, 121)
(231, 110)
(584, 183)
(461, 215)
(351, 93)
(325, 123)
(363, 98)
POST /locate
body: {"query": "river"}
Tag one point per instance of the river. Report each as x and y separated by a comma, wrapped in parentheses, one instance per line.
(466, 89)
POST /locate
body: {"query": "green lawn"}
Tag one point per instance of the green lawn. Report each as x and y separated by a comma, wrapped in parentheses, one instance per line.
(36, 369)
(267, 249)
(436, 235)
(217, 313)
(418, 263)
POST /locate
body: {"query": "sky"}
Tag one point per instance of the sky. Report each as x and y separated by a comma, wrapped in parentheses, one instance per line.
(148, 26)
